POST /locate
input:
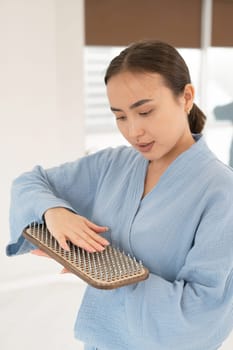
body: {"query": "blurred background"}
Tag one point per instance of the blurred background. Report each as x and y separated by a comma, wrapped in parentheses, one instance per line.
(53, 108)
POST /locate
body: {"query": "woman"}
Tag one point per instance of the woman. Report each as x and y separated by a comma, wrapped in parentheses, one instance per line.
(166, 200)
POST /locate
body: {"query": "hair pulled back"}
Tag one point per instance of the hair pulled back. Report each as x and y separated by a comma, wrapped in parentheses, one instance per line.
(158, 57)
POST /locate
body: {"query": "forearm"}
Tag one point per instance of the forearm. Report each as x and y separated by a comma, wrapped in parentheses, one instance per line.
(31, 196)
(174, 315)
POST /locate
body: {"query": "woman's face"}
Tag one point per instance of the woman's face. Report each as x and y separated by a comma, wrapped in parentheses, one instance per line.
(148, 115)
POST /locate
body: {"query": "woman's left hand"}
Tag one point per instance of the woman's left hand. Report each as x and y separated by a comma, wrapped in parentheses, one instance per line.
(39, 253)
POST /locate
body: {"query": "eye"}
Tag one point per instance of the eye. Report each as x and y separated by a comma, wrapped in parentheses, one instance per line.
(145, 113)
(121, 118)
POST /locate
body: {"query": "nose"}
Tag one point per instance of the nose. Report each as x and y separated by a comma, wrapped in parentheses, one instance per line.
(135, 129)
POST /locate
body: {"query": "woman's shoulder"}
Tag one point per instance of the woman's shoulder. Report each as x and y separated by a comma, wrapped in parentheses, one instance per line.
(223, 173)
(214, 169)
(220, 180)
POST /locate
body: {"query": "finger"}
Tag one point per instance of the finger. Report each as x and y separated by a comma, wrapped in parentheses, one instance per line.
(62, 242)
(64, 270)
(95, 227)
(39, 252)
(89, 247)
(77, 240)
(97, 238)
(89, 241)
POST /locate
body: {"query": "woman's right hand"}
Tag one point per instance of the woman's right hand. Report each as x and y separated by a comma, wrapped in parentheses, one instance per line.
(65, 225)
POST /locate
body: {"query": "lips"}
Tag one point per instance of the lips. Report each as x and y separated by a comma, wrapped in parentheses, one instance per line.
(145, 147)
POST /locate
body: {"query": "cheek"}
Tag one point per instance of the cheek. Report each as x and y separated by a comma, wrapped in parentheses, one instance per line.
(122, 129)
(170, 125)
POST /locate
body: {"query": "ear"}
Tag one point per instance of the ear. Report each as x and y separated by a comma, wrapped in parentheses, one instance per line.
(188, 95)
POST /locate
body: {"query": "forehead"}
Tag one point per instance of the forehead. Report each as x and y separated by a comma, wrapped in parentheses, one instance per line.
(127, 85)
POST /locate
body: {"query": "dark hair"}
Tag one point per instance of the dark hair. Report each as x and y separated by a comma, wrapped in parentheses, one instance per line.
(162, 58)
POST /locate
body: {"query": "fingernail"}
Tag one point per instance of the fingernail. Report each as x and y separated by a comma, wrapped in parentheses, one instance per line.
(92, 250)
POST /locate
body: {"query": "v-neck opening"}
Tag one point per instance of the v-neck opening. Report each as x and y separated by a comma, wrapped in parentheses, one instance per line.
(194, 148)
(143, 198)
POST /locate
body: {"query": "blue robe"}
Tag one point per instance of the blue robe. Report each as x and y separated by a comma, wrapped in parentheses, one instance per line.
(182, 230)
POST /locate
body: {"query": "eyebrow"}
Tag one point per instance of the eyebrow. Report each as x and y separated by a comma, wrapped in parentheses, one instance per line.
(134, 105)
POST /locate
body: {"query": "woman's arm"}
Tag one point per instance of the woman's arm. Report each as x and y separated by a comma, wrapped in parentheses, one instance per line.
(197, 307)
(192, 312)
(71, 186)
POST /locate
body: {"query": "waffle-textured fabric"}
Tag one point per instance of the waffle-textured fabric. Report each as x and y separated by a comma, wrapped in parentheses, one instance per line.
(182, 230)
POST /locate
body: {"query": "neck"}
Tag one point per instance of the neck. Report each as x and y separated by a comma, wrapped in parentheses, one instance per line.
(181, 146)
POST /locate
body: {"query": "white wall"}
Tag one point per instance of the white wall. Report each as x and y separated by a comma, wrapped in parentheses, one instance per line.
(41, 91)
(42, 122)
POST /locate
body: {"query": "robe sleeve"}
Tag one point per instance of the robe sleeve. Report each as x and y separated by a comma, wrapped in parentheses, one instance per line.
(197, 307)
(71, 185)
